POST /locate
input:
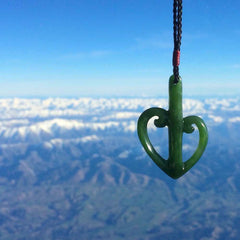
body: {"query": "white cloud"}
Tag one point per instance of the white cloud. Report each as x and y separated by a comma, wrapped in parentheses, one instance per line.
(130, 126)
(52, 126)
(59, 142)
(122, 115)
(124, 154)
(229, 104)
(216, 119)
(192, 106)
(234, 119)
(53, 118)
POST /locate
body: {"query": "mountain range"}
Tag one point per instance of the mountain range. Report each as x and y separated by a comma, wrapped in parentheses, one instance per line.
(74, 169)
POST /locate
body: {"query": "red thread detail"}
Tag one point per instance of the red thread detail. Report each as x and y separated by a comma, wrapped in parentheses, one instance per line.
(176, 58)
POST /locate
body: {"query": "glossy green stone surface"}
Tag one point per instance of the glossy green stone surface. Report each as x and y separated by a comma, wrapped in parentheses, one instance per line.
(177, 125)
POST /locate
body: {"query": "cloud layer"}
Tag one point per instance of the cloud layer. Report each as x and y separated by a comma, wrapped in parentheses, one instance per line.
(63, 118)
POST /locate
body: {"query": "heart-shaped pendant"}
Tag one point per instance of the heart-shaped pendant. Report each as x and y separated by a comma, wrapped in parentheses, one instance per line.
(177, 125)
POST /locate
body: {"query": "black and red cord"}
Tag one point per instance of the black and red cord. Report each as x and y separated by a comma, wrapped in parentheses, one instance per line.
(177, 35)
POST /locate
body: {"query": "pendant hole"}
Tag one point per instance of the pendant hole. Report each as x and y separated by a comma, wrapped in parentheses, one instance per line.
(158, 138)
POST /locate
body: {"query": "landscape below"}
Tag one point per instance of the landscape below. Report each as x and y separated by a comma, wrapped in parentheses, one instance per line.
(74, 169)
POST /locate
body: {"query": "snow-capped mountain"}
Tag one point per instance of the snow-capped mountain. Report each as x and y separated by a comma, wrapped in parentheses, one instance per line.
(23, 119)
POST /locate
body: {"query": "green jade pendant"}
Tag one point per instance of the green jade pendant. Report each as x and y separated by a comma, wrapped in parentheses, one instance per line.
(177, 125)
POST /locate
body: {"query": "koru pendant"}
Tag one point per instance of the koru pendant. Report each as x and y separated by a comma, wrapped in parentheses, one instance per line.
(177, 125)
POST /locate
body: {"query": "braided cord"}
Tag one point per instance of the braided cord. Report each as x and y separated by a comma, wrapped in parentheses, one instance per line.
(177, 35)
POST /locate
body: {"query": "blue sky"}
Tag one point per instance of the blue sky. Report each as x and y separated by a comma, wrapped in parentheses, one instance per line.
(117, 48)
